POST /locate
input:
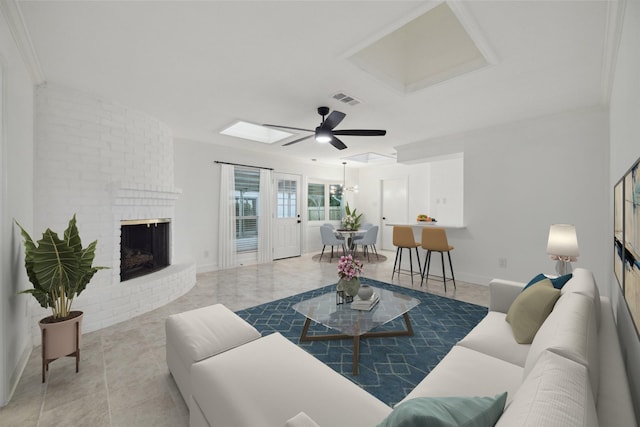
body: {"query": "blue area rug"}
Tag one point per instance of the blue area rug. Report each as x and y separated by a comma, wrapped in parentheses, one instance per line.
(389, 367)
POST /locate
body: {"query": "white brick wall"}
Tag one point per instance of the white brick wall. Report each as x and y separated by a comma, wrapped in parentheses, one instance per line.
(105, 162)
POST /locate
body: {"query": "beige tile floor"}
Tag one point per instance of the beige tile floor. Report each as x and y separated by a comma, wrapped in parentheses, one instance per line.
(123, 378)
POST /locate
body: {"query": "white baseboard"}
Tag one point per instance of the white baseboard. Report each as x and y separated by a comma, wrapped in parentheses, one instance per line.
(17, 373)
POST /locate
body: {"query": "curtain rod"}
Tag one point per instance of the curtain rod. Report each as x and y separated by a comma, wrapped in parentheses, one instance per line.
(239, 164)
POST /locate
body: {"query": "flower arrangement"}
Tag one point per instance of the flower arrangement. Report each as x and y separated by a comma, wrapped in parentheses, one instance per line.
(351, 220)
(349, 267)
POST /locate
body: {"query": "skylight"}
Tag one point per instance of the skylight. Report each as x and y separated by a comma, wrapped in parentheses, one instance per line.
(432, 48)
(253, 132)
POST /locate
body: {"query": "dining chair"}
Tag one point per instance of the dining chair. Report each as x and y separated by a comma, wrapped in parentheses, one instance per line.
(403, 239)
(328, 224)
(329, 238)
(434, 239)
(356, 239)
(367, 240)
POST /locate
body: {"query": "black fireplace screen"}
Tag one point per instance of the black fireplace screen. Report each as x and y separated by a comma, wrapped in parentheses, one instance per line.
(144, 247)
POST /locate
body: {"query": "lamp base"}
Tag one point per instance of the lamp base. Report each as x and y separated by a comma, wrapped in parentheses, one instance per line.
(563, 267)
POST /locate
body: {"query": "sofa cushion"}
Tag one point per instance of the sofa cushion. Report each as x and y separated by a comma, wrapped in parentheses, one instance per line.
(557, 282)
(584, 283)
(267, 381)
(556, 393)
(466, 372)
(570, 331)
(447, 412)
(207, 331)
(530, 309)
(493, 336)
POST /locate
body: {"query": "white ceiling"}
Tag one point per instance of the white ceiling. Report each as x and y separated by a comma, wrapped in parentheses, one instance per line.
(199, 66)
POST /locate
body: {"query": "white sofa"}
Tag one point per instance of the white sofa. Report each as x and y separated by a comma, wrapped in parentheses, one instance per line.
(572, 374)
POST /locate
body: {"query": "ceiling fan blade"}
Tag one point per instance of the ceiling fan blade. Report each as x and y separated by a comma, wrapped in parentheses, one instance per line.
(297, 140)
(361, 132)
(333, 119)
(337, 143)
(288, 127)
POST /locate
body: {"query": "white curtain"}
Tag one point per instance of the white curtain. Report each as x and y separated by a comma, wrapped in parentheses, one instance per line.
(227, 218)
(265, 243)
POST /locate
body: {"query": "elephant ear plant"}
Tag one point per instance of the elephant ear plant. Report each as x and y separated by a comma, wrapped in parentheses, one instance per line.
(59, 269)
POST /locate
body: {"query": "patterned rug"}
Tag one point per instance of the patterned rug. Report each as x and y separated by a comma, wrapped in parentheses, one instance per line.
(389, 367)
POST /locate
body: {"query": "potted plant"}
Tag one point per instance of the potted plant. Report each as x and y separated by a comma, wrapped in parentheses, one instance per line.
(59, 270)
(351, 220)
(349, 270)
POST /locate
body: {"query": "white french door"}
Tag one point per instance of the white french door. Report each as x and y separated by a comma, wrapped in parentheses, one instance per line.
(287, 218)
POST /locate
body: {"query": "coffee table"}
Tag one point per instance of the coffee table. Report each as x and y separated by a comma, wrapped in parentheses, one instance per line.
(356, 324)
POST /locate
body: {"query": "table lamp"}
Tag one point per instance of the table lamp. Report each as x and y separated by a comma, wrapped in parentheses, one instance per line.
(563, 246)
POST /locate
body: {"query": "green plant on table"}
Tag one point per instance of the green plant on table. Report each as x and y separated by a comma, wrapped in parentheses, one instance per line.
(351, 219)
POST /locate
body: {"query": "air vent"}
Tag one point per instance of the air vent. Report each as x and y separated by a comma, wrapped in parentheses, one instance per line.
(346, 99)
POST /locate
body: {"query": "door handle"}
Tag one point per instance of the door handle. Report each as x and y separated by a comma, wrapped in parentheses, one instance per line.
(384, 218)
(299, 221)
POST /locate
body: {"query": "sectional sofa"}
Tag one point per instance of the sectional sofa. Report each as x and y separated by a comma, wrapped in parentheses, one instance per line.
(571, 374)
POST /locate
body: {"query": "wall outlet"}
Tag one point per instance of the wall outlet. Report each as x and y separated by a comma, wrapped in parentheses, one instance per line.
(502, 262)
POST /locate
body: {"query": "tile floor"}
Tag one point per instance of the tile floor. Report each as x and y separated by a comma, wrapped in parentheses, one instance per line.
(123, 378)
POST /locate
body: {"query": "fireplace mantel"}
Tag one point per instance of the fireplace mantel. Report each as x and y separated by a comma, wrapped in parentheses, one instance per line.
(138, 194)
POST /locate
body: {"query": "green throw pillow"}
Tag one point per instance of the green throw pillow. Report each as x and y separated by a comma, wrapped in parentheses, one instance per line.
(447, 412)
(530, 309)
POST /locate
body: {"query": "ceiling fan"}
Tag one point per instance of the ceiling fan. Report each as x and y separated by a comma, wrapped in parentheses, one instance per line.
(325, 132)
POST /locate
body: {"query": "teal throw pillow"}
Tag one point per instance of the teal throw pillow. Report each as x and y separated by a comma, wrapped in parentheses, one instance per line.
(447, 412)
(557, 282)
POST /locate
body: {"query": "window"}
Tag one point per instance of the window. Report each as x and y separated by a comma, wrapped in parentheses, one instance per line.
(315, 202)
(247, 184)
(335, 202)
(287, 202)
(324, 201)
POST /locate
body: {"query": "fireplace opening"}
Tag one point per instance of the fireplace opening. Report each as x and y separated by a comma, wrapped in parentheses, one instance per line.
(144, 247)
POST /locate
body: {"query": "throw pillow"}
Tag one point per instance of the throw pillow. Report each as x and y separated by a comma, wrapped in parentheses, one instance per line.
(530, 309)
(447, 412)
(557, 282)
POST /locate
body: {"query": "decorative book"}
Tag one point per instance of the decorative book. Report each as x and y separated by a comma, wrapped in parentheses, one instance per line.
(365, 305)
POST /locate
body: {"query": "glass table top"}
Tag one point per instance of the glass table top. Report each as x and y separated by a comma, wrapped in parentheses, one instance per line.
(324, 310)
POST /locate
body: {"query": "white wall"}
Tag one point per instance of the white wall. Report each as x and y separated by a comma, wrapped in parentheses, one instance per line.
(16, 191)
(625, 149)
(520, 178)
(196, 231)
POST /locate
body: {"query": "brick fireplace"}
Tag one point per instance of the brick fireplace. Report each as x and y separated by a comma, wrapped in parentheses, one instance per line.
(106, 163)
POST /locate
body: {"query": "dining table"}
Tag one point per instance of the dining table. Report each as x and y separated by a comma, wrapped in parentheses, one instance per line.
(350, 234)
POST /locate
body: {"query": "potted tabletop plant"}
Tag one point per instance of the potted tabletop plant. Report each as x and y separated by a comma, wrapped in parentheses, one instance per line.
(351, 219)
(349, 270)
(59, 270)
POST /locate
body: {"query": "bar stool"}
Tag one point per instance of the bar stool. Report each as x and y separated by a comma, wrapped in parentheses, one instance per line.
(403, 239)
(434, 239)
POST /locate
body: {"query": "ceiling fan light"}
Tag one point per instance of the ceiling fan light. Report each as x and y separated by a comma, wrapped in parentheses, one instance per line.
(323, 136)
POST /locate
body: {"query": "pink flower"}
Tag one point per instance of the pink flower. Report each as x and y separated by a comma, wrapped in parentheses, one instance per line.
(349, 268)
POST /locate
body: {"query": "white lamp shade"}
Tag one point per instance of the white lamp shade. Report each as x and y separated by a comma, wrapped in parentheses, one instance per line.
(563, 240)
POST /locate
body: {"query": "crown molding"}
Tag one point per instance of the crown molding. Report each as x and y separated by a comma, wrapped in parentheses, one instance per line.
(613, 34)
(15, 22)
